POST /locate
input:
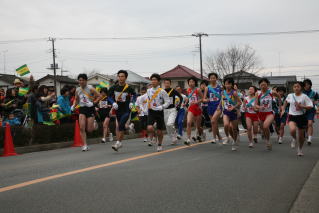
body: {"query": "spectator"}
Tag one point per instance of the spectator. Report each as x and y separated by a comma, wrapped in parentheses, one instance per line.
(11, 101)
(12, 120)
(64, 104)
(44, 99)
(17, 83)
(34, 104)
(2, 99)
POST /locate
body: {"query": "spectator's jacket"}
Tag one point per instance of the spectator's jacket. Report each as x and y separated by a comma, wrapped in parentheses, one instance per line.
(13, 122)
(64, 103)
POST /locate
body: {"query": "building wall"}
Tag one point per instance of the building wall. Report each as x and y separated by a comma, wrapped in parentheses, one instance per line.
(175, 82)
(96, 80)
(4, 85)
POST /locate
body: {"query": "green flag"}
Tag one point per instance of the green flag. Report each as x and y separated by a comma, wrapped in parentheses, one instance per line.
(23, 70)
(104, 84)
(23, 91)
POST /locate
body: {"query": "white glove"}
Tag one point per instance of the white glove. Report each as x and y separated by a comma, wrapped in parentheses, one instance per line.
(115, 106)
(131, 105)
(160, 108)
(72, 108)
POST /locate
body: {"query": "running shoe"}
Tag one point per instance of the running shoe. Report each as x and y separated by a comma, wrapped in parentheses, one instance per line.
(194, 139)
(299, 152)
(199, 139)
(179, 137)
(103, 140)
(110, 137)
(280, 140)
(255, 140)
(293, 143)
(174, 140)
(85, 148)
(145, 140)
(309, 143)
(226, 141)
(117, 146)
(159, 148)
(188, 142)
(251, 145)
(214, 141)
(234, 148)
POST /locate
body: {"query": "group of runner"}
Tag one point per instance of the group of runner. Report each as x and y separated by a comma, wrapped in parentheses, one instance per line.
(262, 110)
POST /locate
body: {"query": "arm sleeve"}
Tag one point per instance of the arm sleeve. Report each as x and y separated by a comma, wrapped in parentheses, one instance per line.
(288, 99)
(166, 99)
(308, 101)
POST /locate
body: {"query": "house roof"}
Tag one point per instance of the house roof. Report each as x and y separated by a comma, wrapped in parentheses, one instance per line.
(135, 78)
(59, 78)
(110, 77)
(181, 71)
(242, 74)
(10, 78)
(281, 79)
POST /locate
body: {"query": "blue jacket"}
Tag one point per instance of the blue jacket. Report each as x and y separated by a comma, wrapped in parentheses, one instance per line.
(13, 122)
(64, 103)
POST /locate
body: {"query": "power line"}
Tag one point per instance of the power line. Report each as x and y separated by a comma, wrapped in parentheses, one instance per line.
(23, 40)
(293, 32)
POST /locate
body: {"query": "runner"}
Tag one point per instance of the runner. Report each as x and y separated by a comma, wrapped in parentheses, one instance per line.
(310, 114)
(299, 103)
(181, 113)
(213, 96)
(85, 96)
(251, 116)
(122, 96)
(194, 99)
(158, 100)
(230, 104)
(276, 106)
(205, 117)
(283, 117)
(170, 113)
(141, 105)
(265, 112)
(104, 109)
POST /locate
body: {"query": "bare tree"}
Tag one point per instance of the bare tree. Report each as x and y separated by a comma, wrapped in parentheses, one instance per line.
(234, 59)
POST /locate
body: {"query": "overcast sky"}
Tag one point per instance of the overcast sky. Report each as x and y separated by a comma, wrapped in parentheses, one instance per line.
(297, 54)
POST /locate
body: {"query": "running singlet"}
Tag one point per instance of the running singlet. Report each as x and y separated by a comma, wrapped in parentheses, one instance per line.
(85, 96)
(265, 101)
(192, 95)
(250, 103)
(214, 95)
(228, 102)
(122, 97)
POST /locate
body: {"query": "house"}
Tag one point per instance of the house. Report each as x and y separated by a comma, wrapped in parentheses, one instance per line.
(135, 80)
(244, 79)
(179, 76)
(284, 80)
(6, 80)
(96, 78)
(61, 81)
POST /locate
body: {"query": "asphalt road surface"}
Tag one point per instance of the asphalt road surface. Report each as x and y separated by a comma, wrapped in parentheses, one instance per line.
(203, 178)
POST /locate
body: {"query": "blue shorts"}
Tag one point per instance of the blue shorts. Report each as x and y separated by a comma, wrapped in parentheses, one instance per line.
(310, 114)
(232, 115)
(122, 119)
(211, 110)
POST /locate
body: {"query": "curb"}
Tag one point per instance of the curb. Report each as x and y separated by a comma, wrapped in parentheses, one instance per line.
(308, 197)
(59, 145)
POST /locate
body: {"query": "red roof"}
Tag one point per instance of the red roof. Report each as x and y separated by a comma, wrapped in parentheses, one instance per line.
(181, 71)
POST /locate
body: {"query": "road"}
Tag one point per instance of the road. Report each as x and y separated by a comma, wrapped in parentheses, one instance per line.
(202, 178)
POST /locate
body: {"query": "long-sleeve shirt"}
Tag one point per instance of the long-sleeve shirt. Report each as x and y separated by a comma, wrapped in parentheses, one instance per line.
(173, 95)
(12, 122)
(142, 103)
(160, 102)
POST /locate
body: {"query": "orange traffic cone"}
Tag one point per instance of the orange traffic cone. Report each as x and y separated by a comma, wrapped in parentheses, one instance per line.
(77, 136)
(8, 149)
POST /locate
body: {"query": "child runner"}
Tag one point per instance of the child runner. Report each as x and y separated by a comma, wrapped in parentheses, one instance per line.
(104, 109)
(310, 114)
(283, 117)
(299, 103)
(158, 100)
(194, 99)
(264, 106)
(213, 94)
(122, 96)
(230, 103)
(251, 116)
(205, 117)
(181, 113)
(86, 96)
(141, 105)
(170, 113)
(276, 106)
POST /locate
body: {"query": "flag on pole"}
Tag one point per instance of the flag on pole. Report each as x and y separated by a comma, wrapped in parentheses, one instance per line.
(104, 84)
(23, 91)
(23, 70)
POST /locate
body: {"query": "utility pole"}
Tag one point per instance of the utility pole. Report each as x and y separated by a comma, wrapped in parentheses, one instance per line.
(54, 66)
(199, 35)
